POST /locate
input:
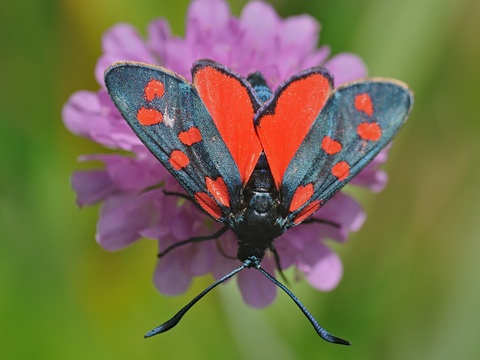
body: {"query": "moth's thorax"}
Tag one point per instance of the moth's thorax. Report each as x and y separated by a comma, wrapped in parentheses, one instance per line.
(260, 86)
(260, 222)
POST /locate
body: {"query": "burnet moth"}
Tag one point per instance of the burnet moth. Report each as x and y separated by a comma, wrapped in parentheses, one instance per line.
(258, 161)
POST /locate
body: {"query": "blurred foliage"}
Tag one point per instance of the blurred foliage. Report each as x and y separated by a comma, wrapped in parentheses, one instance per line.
(410, 288)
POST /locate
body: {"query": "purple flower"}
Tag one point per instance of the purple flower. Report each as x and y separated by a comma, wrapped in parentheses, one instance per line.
(133, 204)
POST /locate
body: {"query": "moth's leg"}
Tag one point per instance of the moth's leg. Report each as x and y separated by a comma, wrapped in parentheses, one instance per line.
(321, 221)
(183, 196)
(278, 263)
(195, 239)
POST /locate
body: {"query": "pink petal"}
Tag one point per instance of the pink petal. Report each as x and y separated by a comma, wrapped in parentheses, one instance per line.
(223, 265)
(85, 114)
(206, 20)
(256, 48)
(326, 273)
(92, 186)
(159, 34)
(285, 250)
(256, 289)
(171, 277)
(122, 42)
(157, 232)
(80, 106)
(345, 68)
(299, 32)
(343, 210)
(129, 173)
(202, 257)
(259, 23)
(295, 240)
(179, 57)
(371, 176)
(315, 58)
(373, 179)
(123, 217)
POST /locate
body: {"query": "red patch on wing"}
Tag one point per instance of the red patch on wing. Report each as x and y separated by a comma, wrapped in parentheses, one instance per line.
(283, 125)
(229, 103)
(191, 136)
(178, 159)
(341, 170)
(363, 102)
(307, 211)
(208, 204)
(149, 116)
(331, 146)
(301, 196)
(369, 131)
(219, 190)
(154, 88)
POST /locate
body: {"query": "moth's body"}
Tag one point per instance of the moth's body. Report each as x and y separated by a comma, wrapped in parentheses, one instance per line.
(261, 221)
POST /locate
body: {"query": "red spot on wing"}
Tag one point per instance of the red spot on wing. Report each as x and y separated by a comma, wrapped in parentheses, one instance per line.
(178, 159)
(208, 204)
(331, 146)
(369, 131)
(154, 88)
(149, 116)
(307, 211)
(363, 102)
(284, 124)
(229, 103)
(341, 170)
(191, 136)
(219, 190)
(301, 196)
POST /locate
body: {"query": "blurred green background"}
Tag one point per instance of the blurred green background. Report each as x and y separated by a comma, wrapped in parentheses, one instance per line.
(410, 288)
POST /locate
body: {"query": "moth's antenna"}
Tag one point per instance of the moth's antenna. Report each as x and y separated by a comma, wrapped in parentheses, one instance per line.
(176, 318)
(324, 334)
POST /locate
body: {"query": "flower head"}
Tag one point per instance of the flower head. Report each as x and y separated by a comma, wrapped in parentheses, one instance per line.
(258, 40)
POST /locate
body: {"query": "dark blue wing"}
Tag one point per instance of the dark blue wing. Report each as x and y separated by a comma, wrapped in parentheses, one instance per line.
(167, 114)
(357, 121)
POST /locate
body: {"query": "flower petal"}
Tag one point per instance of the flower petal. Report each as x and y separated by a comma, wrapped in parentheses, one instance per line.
(346, 67)
(129, 173)
(86, 114)
(79, 107)
(207, 21)
(201, 258)
(343, 210)
(300, 33)
(123, 217)
(371, 176)
(256, 289)
(120, 43)
(259, 23)
(171, 277)
(324, 272)
(159, 34)
(92, 186)
(315, 58)
(224, 264)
